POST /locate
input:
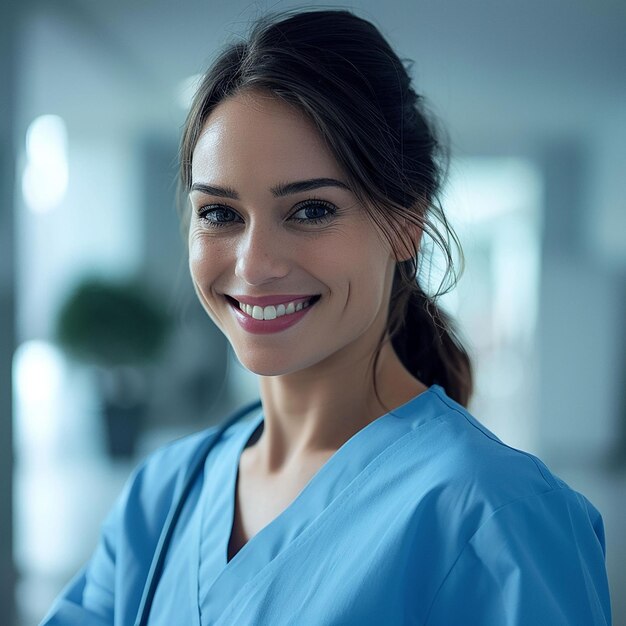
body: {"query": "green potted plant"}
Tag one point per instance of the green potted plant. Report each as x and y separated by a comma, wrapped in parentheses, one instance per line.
(119, 328)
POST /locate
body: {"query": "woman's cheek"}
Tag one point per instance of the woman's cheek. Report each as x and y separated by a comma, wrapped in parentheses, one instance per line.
(196, 256)
(205, 256)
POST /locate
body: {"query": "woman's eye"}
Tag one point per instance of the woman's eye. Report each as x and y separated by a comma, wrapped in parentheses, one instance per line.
(314, 213)
(218, 216)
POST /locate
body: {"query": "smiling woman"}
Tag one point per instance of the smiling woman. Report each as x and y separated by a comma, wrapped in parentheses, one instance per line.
(265, 244)
(359, 490)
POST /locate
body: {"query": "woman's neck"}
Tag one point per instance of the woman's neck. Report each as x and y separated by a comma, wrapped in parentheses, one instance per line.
(314, 412)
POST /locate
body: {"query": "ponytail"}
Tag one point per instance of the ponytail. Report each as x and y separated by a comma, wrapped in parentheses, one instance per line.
(426, 341)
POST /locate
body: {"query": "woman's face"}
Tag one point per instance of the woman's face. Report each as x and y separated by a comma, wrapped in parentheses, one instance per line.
(275, 230)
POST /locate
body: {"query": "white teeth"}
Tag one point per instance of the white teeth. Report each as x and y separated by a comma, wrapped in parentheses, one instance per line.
(271, 312)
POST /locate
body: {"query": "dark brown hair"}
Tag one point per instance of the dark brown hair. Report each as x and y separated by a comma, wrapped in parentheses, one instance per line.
(339, 71)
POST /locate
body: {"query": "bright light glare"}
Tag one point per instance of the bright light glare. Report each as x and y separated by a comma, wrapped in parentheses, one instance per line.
(38, 369)
(46, 175)
(46, 139)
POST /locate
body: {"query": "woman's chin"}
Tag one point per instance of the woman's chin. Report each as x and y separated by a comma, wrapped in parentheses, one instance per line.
(271, 365)
(267, 369)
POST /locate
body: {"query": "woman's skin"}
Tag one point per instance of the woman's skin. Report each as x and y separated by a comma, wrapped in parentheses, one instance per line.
(315, 376)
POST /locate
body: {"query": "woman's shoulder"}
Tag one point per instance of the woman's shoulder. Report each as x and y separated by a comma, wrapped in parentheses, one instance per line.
(162, 474)
(470, 463)
(488, 507)
(173, 460)
(170, 459)
(501, 522)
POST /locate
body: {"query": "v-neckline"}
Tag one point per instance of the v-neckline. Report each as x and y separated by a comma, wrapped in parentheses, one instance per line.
(253, 432)
(337, 472)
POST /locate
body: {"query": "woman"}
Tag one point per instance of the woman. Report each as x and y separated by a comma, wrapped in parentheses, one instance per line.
(360, 491)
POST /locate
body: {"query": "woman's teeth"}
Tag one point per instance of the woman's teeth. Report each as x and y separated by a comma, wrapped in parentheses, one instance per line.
(272, 312)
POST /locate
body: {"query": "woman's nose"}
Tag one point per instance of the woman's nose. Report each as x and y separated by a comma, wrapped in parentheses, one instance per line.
(261, 256)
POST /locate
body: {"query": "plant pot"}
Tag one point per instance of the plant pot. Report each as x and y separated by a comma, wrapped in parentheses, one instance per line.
(123, 425)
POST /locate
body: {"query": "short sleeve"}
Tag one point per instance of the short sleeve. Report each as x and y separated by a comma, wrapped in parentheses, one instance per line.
(539, 560)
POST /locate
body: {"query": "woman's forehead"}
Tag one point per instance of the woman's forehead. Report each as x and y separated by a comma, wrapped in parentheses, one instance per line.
(258, 132)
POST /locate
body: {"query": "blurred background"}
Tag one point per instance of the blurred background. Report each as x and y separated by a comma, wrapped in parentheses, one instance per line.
(92, 99)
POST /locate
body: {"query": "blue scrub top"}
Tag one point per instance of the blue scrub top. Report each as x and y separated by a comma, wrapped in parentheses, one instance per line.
(423, 517)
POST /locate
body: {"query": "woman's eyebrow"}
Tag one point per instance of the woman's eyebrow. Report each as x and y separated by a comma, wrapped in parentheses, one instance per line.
(285, 189)
(214, 190)
(282, 189)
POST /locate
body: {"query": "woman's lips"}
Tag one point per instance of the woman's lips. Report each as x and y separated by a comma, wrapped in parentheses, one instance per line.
(271, 318)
